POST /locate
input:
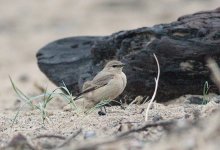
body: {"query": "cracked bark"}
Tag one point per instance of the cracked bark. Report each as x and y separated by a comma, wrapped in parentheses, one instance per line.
(181, 46)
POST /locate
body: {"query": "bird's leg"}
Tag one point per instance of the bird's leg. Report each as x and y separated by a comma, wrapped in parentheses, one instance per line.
(104, 109)
(101, 112)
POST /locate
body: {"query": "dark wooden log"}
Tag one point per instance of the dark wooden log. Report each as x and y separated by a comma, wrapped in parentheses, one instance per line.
(181, 47)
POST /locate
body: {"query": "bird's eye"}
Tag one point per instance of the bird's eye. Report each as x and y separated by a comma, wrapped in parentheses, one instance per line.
(114, 66)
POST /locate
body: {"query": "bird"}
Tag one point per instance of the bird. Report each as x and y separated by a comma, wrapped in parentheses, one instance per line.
(108, 84)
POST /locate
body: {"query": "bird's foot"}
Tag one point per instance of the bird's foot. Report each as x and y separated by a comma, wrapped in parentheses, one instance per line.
(101, 113)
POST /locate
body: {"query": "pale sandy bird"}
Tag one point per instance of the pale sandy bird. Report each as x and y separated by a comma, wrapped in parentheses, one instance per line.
(106, 85)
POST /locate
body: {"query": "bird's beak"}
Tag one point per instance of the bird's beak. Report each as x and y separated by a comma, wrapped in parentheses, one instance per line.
(121, 65)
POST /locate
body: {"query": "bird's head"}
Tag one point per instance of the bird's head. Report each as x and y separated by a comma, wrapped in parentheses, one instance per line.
(114, 66)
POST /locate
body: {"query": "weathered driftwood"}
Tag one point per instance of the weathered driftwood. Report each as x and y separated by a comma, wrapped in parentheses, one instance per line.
(181, 47)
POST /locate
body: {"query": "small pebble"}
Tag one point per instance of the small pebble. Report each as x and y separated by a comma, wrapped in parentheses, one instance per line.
(89, 134)
(157, 118)
(67, 108)
(197, 100)
(216, 99)
(23, 78)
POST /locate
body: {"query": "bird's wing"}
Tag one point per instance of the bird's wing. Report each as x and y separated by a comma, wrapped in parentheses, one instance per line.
(102, 78)
(99, 81)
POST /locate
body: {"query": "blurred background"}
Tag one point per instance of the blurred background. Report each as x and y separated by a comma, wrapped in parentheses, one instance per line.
(28, 25)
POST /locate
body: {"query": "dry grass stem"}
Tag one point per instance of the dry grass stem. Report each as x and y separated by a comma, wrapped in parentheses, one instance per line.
(213, 66)
(155, 90)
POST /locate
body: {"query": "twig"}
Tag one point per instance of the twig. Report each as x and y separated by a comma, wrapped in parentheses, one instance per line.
(149, 125)
(68, 140)
(155, 90)
(132, 102)
(19, 142)
(95, 143)
(50, 136)
(146, 99)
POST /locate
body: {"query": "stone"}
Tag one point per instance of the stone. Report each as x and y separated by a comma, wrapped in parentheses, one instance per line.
(181, 47)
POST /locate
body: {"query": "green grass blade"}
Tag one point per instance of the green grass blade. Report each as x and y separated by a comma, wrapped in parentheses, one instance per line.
(65, 88)
(16, 115)
(20, 94)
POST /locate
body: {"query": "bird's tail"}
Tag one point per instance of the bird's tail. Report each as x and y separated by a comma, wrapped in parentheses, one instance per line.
(78, 96)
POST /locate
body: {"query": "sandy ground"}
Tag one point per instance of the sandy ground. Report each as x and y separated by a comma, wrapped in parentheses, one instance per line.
(96, 128)
(26, 26)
